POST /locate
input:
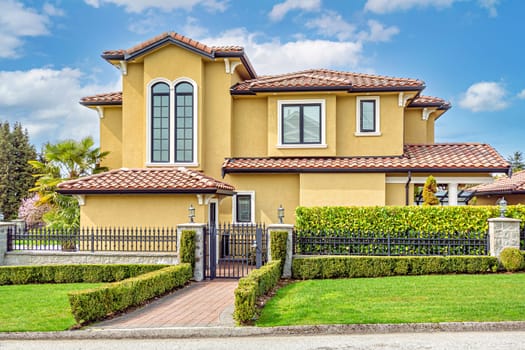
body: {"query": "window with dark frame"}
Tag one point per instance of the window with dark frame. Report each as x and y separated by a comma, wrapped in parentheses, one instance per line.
(301, 123)
(243, 205)
(160, 123)
(183, 123)
(367, 118)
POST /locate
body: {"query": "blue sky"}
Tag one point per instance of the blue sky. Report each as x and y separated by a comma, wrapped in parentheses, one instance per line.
(469, 52)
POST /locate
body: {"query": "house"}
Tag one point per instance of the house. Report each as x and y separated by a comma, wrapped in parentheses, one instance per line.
(511, 188)
(195, 125)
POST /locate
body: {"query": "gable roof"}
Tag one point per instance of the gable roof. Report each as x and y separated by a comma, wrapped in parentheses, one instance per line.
(325, 80)
(182, 41)
(446, 157)
(503, 185)
(153, 180)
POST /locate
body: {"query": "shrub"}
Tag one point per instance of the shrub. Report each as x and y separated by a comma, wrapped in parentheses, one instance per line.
(71, 273)
(429, 191)
(325, 267)
(187, 247)
(257, 283)
(94, 304)
(512, 259)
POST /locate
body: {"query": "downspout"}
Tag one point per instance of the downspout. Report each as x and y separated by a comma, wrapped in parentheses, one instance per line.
(407, 187)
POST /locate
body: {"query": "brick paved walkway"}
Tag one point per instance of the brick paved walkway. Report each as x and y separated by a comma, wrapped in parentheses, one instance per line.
(208, 303)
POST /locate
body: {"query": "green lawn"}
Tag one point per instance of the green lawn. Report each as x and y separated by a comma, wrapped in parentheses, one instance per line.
(437, 298)
(37, 307)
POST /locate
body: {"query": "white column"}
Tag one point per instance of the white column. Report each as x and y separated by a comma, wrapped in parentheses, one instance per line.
(453, 193)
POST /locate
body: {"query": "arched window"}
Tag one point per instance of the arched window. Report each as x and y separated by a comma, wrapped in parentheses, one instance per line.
(184, 123)
(160, 123)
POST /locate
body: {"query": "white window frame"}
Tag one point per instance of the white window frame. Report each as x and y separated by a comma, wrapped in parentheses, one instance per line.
(280, 104)
(358, 131)
(252, 204)
(172, 85)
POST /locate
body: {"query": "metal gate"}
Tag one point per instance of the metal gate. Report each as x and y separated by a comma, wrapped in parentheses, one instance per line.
(233, 250)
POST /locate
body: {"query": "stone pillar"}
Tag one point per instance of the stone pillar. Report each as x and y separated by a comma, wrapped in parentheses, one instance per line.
(3, 239)
(198, 270)
(453, 193)
(287, 268)
(503, 233)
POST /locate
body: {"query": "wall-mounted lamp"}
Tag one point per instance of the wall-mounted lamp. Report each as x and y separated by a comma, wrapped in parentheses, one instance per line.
(502, 207)
(280, 213)
(191, 212)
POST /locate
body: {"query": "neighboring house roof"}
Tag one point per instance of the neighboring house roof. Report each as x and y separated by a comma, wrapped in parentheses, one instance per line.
(156, 180)
(429, 101)
(109, 98)
(458, 157)
(325, 79)
(503, 185)
(182, 41)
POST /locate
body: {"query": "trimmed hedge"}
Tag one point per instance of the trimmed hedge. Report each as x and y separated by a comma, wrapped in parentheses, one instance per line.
(71, 273)
(393, 219)
(257, 283)
(325, 267)
(187, 247)
(95, 304)
(512, 259)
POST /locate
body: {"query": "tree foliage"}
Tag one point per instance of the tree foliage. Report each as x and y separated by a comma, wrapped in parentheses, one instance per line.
(429, 191)
(16, 175)
(65, 160)
(516, 161)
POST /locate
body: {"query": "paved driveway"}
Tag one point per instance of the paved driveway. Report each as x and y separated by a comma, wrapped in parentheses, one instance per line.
(208, 303)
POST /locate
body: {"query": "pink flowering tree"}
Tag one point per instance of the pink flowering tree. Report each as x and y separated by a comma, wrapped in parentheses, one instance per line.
(32, 211)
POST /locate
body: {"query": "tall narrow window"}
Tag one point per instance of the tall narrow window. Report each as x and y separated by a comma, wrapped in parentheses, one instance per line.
(368, 116)
(243, 208)
(184, 123)
(160, 123)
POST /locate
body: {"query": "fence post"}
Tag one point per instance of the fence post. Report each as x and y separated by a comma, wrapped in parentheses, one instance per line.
(287, 268)
(503, 233)
(3, 239)
(198, 270)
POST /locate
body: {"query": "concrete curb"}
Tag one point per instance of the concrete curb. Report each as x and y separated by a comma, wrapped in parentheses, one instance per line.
(219, 332)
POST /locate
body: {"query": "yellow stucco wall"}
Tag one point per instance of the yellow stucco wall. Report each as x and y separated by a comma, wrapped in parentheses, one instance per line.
(271, 190)
(111, 137)
(511, 199)
(139, 210)
(417, 130)
(250, 127)
(396, 194)
(342, 189)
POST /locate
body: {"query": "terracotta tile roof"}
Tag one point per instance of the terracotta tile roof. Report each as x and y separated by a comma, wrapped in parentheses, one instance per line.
(429, 101)
(460, 157)
(181, 40)
(152, 180)
(325, 79)
(503, 185)
(110, 98)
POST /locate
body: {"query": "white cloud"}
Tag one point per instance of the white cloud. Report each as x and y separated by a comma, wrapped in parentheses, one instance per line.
(138, 6)
(387, 6)
(330, 23)
(273, 56)
(18, 21)
(378, 32)
(45, 101)
(51, 10)
(522, 94)
(280, 10)
(490, 5)
(484, 97)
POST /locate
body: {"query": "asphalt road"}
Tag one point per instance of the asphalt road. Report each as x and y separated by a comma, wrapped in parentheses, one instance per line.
(406, 341)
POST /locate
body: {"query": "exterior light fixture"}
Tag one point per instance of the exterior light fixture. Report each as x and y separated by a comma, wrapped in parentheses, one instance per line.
(280, 213)
(191, 212)
(502, 207)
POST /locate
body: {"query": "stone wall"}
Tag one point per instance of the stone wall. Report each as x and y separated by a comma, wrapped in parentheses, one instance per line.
(50, 258)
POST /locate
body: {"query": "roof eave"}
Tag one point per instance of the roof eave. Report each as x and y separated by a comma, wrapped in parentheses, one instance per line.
(344, 88)
(94, 104)
(149, 191)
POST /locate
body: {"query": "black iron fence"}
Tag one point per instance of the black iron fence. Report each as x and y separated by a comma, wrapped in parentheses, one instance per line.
(136, 239)
(386, 244)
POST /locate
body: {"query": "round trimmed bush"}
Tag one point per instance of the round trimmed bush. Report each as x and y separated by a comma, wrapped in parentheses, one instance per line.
(512, 259)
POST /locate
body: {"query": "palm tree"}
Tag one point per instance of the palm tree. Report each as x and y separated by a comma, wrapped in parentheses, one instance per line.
(516, 161)
(65, 160)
